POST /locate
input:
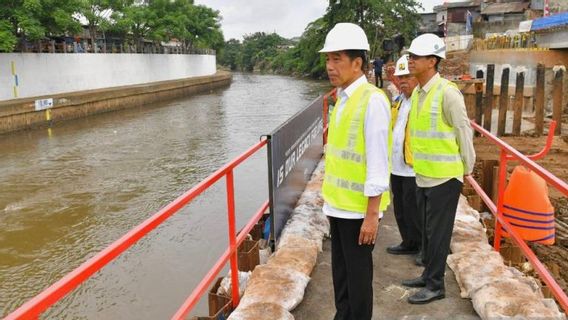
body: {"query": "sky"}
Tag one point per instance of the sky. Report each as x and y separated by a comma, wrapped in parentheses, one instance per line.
(287, 18)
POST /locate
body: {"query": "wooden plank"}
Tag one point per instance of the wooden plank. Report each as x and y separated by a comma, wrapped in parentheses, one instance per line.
(539, 101)
(557, 101)
(487, 177)
(468, 100)
(478, 104)
(503, 102)
(488, 97)
(495, 185)
(518, 107)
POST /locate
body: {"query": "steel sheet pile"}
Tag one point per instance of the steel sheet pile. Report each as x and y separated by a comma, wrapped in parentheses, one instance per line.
(497, 291)
(278, 286)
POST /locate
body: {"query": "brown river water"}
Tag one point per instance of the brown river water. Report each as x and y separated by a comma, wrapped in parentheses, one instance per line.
(68, 192)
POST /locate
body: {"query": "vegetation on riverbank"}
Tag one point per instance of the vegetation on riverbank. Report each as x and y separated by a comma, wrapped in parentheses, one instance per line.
(133, 21)
(384, 21)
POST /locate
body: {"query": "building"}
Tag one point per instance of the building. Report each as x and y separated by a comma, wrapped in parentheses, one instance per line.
(505, 12)
(428, 24)
(552, 31)
(452, 17)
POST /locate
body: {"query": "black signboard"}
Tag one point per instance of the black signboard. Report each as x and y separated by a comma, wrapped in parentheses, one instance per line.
(294, 150)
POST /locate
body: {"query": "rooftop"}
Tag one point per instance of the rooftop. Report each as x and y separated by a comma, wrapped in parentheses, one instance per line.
(501, 8)
(559, 20)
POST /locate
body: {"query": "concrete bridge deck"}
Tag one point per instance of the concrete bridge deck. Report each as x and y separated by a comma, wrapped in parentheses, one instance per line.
(390, 296)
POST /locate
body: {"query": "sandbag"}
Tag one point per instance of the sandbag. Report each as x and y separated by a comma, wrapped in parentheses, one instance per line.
(298, 258)
(261, 310)
(272, 284)
(513, 299)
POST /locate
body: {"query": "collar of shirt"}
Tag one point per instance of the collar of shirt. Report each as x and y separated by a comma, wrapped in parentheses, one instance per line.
(347, 92)
(430, 83)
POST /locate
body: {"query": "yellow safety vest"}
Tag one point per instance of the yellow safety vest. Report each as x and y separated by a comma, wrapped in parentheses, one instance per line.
(394, 116)
(433, 142)
(345, 157)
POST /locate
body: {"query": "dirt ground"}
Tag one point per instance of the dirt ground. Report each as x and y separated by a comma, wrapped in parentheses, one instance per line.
(554, 257)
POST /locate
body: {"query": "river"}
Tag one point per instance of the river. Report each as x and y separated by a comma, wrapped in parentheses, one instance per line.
(68, 192)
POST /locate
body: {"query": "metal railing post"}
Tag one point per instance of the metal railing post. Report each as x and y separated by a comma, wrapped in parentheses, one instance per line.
(232, 238)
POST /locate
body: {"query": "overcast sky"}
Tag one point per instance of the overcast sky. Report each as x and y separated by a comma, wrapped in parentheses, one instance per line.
(288, 18)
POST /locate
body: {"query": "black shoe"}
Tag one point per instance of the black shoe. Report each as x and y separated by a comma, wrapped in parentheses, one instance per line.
(419, 262)
(400, 249)
(426, 295)
(414, 283)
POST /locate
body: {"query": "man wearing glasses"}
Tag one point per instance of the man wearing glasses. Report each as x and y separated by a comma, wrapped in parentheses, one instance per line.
(442, 149)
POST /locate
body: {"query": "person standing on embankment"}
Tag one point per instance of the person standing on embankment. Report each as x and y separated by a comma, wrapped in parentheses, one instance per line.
(441, 142)
(356, 182)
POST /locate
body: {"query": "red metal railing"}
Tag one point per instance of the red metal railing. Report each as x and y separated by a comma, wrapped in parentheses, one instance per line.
(36, 306)
(508, 153)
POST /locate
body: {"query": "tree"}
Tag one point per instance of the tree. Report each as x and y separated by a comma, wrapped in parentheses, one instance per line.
(98, 13)
(381, 19)
(35, 19)
(134, 22)
(259, 49)
(8, 39)
(204, 28)
(230, 55)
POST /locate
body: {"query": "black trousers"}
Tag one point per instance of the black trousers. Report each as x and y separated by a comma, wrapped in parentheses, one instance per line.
(352, 270)
(378, 77)
(438, 205)
(408, 219)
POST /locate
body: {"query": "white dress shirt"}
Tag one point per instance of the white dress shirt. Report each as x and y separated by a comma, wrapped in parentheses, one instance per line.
(376, 132)
(399, 167)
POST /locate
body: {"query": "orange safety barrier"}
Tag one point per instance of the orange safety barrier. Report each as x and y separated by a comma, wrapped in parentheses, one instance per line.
(509, 153)
(527, 207)
(36, 306)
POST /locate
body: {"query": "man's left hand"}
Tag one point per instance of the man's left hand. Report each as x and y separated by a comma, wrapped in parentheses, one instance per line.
(369, 229)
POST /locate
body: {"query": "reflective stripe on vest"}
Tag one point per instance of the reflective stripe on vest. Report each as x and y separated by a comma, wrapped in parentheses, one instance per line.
(345, 156)
(433, 143)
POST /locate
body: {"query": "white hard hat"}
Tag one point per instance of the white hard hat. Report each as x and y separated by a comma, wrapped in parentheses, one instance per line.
(345, 36)
(428, 44)
(401, 67)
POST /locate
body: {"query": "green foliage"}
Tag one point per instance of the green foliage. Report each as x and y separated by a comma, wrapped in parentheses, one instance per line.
(231, 54)
(195, 26)
(381, 20)
(259, 49)
(7, 39)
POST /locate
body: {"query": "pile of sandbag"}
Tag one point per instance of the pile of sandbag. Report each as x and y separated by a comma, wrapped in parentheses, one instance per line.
(278, 287)
(497, 291)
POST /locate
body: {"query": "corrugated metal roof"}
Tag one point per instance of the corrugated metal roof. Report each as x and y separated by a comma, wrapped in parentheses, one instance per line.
(511, 7)
(463, 4)
(554, 21)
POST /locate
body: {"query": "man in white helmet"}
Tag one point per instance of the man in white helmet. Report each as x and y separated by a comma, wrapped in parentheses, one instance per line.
(356, 182)
(442, 151)
(403, 181)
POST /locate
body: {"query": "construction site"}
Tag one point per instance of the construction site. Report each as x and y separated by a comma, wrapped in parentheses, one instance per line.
(508, 60)
(512, 73)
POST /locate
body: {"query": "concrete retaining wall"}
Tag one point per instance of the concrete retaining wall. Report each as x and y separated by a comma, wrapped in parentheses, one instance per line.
(21, 114)
(35, 74)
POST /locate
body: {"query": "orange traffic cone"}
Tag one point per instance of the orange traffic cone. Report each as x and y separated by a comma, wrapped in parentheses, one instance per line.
(527, 207)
